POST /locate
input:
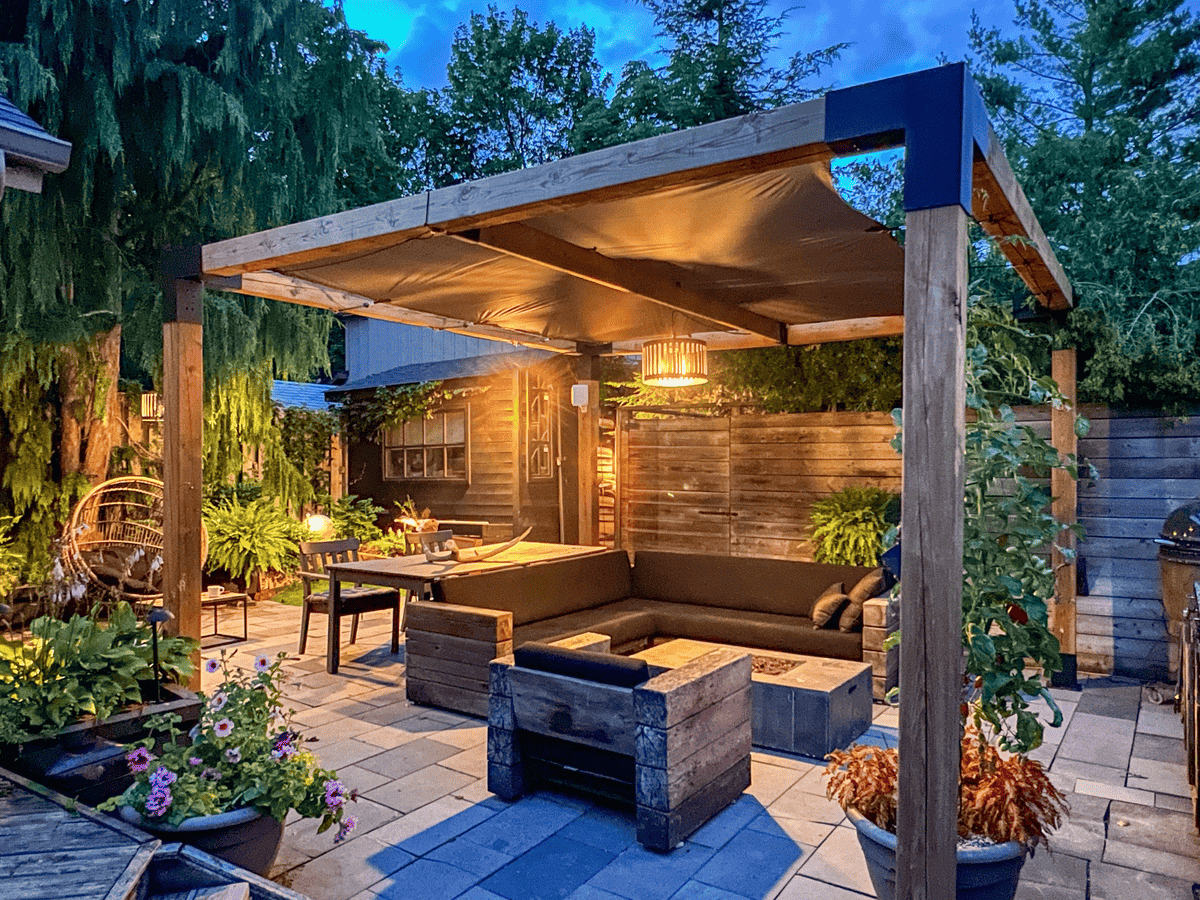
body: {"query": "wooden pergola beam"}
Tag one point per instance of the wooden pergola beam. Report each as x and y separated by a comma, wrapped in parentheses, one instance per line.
(277, 286)
(758, 142)
(999, 204)
(640, 278)
(845, 330)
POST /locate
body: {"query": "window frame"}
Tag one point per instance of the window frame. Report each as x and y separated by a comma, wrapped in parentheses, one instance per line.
(388, 446)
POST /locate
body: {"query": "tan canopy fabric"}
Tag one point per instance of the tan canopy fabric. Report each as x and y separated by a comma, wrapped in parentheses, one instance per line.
(780, 243)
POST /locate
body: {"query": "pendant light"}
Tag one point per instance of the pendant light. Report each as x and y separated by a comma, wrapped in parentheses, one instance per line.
(674, 362)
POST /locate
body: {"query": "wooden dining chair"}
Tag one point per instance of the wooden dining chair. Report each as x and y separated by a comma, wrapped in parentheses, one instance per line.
(356, 599)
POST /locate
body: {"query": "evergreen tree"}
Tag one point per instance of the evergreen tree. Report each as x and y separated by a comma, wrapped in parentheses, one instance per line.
(718, 66)
(191, 120)
(1099, 104)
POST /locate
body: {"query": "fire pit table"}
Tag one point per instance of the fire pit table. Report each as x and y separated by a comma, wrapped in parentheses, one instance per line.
(802, 704)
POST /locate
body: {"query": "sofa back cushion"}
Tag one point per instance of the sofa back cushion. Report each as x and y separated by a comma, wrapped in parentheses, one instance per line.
(542, 590)
(785, 586)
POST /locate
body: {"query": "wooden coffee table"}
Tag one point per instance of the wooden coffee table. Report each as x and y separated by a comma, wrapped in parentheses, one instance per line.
(811, 708)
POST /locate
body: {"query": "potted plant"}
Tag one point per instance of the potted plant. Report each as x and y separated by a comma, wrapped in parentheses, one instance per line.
(228, 786)
(248, 540)
(849, 524)
(74, 687)
(1006, 802)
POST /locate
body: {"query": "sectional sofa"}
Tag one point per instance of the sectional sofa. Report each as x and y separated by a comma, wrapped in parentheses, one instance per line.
(763, 604)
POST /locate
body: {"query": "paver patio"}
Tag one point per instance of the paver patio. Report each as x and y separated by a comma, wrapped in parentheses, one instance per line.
(429, 828)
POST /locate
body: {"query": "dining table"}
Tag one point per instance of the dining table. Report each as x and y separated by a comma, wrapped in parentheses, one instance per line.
(413, 576)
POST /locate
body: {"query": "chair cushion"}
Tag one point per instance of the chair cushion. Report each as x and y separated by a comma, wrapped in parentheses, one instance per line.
(603, 668)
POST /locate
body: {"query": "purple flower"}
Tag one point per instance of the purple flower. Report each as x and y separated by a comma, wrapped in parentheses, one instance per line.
(348, 825)
(262, 662)
(218, 701)
(158, 801)
(234, 755)
(211, 666)
(223, 728)
(162, 777)
(284, 745)
(194, 761)
(211, 774)
(139, 760)
(335, 794)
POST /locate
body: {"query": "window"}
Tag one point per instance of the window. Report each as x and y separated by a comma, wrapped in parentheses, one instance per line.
(539, 416)
(435, 447)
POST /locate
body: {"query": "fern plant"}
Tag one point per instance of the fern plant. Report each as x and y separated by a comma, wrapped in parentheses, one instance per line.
(356, 517)
(249, 539)
(848, 525)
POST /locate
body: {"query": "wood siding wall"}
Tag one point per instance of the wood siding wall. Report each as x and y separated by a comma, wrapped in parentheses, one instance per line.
(745, 485)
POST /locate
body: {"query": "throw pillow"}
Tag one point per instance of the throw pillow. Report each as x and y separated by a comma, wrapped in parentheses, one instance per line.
(852, 615)
(868, 586)
(826, 608)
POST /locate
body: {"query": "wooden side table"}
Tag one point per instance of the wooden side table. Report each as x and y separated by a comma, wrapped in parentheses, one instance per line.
(225, 599)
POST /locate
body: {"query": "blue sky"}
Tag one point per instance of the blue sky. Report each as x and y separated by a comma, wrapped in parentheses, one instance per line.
(887, 38)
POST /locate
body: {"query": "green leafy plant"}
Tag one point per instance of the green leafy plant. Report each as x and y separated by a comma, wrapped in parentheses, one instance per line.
(1008, 530)
(81, 667)
(363, 415)
(11, 561)
(392, 543)
(849, 525)
(242, 491)
(355, 516)
(249, 539)
(243, 753)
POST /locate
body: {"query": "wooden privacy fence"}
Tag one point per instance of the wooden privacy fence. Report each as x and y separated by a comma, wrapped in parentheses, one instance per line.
(745, 485)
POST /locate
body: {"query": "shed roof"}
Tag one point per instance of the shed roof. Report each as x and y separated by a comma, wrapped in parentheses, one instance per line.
(445, 369)
(301, 394)
(27, 150)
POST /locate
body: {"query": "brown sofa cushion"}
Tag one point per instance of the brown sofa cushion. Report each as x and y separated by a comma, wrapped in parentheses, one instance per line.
(542, 590)
(868, 586)
(766, 631)
(782, 586)
(624, 622)
(826, 611)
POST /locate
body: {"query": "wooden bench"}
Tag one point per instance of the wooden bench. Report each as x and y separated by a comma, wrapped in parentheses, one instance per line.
(676, 745)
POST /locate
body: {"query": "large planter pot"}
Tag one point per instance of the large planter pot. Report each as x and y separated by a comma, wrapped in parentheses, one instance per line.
(243, 837)
(86, 761)
(984, 873)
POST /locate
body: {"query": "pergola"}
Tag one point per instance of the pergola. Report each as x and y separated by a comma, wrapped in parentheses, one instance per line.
(731, 232)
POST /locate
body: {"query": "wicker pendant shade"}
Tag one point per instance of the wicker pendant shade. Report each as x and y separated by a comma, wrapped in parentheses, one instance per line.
(674, 362)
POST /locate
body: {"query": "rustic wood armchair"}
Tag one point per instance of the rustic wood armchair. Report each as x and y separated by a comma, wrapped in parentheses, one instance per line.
(676, 745)
(355, 599)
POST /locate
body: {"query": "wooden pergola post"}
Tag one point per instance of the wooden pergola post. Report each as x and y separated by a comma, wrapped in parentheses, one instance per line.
(1063, 489)
(183, 434)
(935, 299)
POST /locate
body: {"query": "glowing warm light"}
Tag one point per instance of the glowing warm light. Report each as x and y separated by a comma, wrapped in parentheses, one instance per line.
(320, 526)
(674, 362)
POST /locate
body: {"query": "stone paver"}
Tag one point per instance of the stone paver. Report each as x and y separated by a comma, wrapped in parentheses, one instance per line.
(431, 829)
